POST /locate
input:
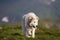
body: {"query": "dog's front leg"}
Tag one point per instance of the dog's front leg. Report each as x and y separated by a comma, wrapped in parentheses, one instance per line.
(28, 33)
(33, 32)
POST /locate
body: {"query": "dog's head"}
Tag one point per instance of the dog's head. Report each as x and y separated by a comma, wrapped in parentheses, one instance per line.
(33, 21)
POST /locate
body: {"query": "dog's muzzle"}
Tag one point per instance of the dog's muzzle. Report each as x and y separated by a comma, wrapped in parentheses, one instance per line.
(35, 26)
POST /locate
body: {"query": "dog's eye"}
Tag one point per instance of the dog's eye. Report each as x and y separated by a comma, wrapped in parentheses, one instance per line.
(34, 22)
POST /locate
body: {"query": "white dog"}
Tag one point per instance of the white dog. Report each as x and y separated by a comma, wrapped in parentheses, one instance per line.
(29, 24)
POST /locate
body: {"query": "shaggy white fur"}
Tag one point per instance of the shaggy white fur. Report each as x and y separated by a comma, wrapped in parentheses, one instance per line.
(29, 27)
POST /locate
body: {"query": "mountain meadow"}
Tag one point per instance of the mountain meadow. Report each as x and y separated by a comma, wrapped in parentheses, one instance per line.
(48, 29)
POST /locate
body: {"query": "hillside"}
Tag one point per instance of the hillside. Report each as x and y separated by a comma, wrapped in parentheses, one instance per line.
(13, 31)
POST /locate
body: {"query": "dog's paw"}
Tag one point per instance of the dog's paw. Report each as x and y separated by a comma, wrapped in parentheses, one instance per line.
(28, 36)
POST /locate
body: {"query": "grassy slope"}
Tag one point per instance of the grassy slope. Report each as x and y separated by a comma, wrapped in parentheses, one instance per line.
(14, 32)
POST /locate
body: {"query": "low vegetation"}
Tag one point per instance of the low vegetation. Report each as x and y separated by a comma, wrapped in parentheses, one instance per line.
(13, 31)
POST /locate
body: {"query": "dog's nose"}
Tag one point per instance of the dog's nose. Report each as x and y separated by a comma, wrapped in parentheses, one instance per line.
(36, 25)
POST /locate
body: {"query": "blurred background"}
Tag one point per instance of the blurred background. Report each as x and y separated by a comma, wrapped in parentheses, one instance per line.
(13, 10)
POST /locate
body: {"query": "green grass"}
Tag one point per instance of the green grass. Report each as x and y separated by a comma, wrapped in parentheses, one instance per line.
(13, 31)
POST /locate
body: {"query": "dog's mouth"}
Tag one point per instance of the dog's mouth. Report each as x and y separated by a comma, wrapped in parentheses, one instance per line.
(34, 27)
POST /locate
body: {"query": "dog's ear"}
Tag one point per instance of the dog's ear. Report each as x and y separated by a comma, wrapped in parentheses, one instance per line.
(38, 18)
(30, 19)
